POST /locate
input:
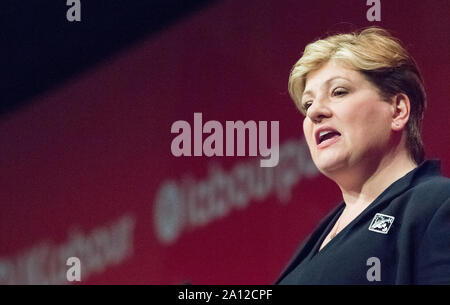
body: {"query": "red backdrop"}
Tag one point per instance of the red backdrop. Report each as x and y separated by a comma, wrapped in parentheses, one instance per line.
(87, 171)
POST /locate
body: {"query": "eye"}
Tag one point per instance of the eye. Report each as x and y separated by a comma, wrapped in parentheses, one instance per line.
(339, 92)
(306, 105)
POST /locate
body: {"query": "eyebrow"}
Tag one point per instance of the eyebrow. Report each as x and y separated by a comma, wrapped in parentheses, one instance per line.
(309, 92)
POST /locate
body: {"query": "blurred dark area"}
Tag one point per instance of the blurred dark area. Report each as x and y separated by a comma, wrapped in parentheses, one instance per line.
(40, 48)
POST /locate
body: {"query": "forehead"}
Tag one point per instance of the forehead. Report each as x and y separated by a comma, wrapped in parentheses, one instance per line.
(330, 71)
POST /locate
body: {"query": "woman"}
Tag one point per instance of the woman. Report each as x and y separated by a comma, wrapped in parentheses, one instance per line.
(363, 101)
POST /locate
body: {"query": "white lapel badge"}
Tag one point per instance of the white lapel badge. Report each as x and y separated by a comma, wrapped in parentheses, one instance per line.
(381, 223)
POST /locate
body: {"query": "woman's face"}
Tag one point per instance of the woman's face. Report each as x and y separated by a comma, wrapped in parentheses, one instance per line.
(347, 123)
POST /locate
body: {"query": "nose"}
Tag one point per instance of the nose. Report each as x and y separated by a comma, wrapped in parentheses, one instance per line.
(318, 111)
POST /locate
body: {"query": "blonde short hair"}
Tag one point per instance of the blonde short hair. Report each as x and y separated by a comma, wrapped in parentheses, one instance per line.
(382, 60)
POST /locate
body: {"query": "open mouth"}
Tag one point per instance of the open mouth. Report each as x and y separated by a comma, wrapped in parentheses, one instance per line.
(326, 137)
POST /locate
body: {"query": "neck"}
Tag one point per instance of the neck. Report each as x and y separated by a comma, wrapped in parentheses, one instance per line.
(363, 184)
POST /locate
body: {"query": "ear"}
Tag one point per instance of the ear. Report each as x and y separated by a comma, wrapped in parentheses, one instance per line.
(401, 107)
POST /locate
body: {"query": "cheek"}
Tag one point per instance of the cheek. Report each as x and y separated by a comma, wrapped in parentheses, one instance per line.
(369, 122)
(307, 130)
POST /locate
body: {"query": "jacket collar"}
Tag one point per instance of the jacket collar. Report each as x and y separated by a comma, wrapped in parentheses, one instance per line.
(422, 172)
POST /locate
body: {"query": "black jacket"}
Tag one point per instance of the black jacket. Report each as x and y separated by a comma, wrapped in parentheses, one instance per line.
(402, 237)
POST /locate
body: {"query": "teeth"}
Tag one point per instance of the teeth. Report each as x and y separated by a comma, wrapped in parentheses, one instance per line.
(322, 133)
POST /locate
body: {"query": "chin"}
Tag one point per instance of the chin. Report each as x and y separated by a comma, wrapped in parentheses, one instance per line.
(329, 164)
